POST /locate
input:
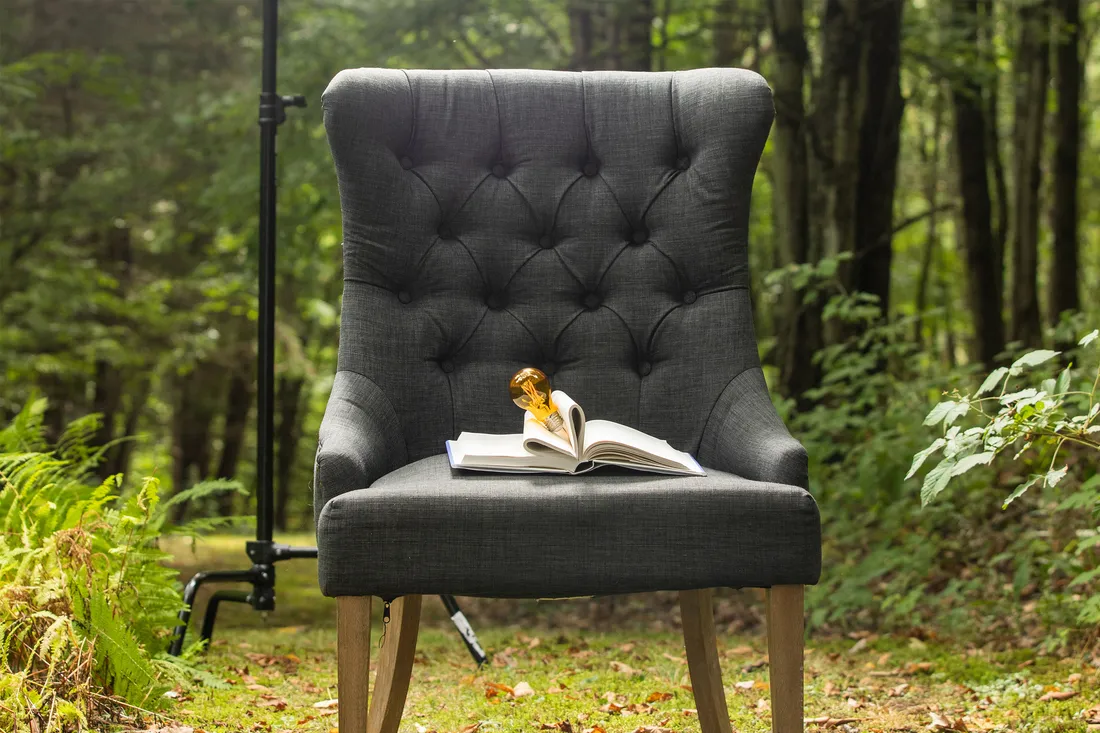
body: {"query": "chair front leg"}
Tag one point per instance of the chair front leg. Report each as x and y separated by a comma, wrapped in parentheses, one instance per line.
(353, 661)
(697, 612)
(391, 684)
(785, 652)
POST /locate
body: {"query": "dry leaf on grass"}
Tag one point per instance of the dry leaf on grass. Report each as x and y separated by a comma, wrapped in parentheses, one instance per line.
(271, 701)
(942, 722)
(523, 690)
(595, 729)
(423, 729)
(828, 722)
(678, 660)
(752, 666)
(652, 729)
(622, 667)
(1058, 695)
(659, 696)
(471, 728)
(324, 704)
(564, 726)
(492, 689)
(899, 690)
(744, 684)
(830, 689)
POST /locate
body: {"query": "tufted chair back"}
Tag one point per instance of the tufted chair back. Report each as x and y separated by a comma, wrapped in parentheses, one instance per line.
(591, 224)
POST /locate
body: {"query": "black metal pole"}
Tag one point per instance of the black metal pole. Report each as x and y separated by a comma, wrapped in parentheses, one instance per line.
(270, 108)
(264, 552)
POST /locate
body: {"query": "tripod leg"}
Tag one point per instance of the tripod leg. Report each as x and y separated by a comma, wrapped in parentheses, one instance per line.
(211, 616)
(464, 629)
(189, 592)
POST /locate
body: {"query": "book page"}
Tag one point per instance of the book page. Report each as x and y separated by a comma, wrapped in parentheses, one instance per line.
(505, 452)
(611, 442)
(539, 438)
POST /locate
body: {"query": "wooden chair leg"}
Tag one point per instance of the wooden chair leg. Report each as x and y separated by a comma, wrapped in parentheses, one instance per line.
(785, 635)
(391, 684)
(353, 661)
(697, 611)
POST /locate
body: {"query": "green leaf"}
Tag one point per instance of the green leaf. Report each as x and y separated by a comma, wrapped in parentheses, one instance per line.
(1053, 477)
(1063, 381)
(1008, 399)
(1089, 338)
(1035, 358)
(959, 410)
(920, 458)
(939, 412)
(977, 459)
(936, 481)
(1019, 491)
(991, 381)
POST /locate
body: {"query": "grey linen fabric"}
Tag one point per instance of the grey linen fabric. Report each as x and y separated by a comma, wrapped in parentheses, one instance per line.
(593, 225)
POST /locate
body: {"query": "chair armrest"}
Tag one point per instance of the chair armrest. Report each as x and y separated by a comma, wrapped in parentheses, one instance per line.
(360, 439)
(745, 435)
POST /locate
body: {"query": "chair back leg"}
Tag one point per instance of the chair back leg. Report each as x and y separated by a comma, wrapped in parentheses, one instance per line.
(391, 683)
(697, 612)
(353, 661)
(785, 652)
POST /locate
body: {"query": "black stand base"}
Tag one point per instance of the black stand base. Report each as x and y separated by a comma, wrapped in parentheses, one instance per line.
(261, 576)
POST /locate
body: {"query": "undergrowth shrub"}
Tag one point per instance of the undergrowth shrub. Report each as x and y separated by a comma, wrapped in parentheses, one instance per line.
(86, 601)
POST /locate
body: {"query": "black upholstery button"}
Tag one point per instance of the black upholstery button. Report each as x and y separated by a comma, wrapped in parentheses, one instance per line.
(683, 163)
(645, 368)
(640, 236)
(447, 365)
(591, 168)
(406, 162)
(496, 301)
(498, 170)
(592, 301)
(445, 232)
(404, 296)
(689, 297)
(546, 241)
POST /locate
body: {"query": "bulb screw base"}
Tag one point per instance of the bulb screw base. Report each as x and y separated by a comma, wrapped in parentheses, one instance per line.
(554, 422)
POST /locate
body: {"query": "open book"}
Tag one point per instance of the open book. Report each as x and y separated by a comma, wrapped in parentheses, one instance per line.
(589, 444)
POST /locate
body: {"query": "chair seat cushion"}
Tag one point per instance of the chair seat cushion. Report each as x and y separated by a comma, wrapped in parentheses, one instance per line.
(429, 529)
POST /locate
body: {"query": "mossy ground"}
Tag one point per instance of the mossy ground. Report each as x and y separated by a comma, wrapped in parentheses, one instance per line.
(277, 669)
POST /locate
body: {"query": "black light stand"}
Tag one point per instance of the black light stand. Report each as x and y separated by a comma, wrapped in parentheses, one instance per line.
(263, 551)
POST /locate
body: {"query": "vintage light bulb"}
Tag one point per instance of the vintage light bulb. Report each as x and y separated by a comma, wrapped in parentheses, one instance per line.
(530, 389)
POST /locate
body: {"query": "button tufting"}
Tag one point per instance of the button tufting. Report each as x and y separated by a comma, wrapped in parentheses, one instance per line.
(546, 241)
(447, 365)
(689, 297)
(445, 232)
(496, 301)
(404, 296)
(683, 163)
(645, 368)
(592, 301)
(498, 170)
(640, 236)
(591, 168)
(406, 162)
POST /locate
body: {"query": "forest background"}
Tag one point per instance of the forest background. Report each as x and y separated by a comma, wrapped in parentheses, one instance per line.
(925, 211)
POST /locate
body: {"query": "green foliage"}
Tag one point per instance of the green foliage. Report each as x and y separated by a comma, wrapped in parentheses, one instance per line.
(1037, 426)
(86, 601)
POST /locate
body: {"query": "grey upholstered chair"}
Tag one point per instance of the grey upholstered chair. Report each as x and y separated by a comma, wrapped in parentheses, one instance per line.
(593, 225)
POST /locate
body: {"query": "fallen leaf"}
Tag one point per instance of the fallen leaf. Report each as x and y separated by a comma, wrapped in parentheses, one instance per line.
(659, 696)
(858, 646)
(690, 711)
(595, 729)
(762, 704)
(828, 722)
(554, 689)
(678, 660)
(899, 690)
(492, 689)
(744, 684)
(1058, 695)
(942, 722)
(471, 728)
(622, 667)
(914, 667)
(271, 701)
(334, 702)
(523, 690)
(830, 689)
(854, 704)
(611, 708)
(564, 726)
(257, 688)
(652, 729)
(751, 666)
(1074, 678)
(740, 650)
(627, 647)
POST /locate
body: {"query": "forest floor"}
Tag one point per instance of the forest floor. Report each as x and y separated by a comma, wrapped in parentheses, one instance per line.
(611, 667)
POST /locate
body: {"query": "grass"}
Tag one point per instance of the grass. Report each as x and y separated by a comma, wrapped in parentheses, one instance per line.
(585, 673)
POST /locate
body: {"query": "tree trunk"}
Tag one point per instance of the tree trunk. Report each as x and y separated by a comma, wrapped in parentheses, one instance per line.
(194, 413)
(880, 136)
(581, 34)
(929, 152)
(1032, 73)
(288, 400)
(798, 326)
(977, 238)
(1064, 289)
(119, 461)
(238, 405)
